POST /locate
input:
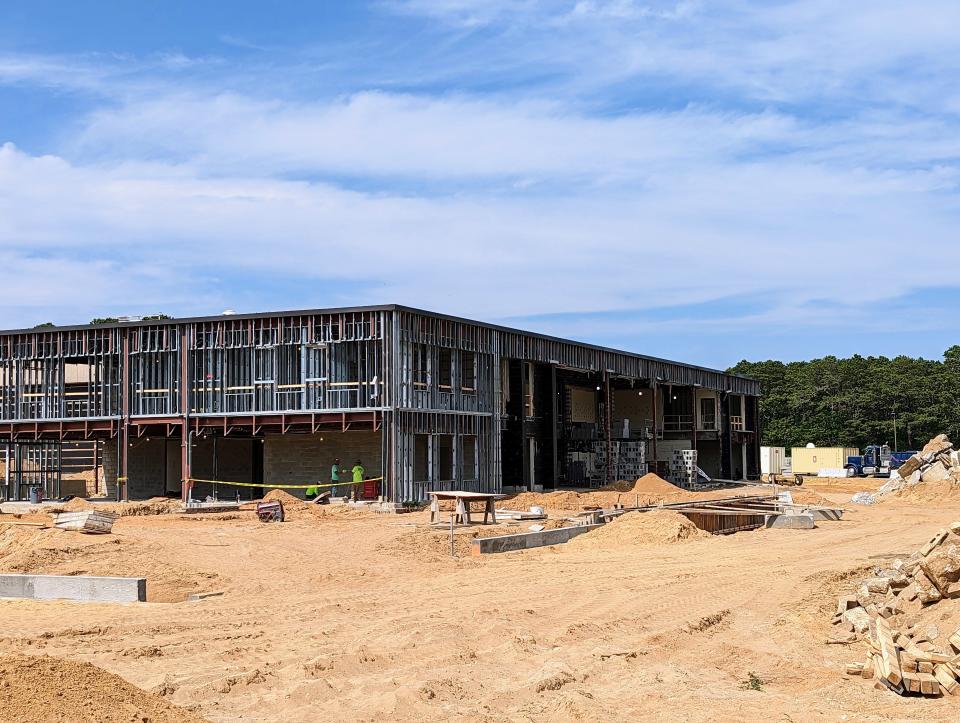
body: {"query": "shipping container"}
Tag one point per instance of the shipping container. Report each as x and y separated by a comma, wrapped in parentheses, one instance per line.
(810, 460)
(772, 460)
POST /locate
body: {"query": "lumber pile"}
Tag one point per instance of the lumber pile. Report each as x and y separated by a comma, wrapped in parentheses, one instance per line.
(937, 461)
(94, 522)
(906, 614)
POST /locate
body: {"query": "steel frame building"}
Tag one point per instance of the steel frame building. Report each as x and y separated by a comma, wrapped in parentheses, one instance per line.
(454, 402)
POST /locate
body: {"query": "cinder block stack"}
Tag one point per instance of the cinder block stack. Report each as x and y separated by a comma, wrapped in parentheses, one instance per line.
(683, 468)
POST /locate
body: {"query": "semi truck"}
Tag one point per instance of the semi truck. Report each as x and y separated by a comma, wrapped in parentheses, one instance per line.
(877, 460)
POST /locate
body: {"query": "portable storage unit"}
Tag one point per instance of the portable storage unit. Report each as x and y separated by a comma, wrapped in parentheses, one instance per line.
(810, 460)
(772, 460)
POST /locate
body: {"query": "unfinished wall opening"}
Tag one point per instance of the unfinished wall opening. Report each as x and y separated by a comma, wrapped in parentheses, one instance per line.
(445, 369)
(31, 464)
(677, 410)
(468, 372)
(708, 457)
(471, 472)
(513, 472)
(709, 419)
(421, 458)
(446, 472)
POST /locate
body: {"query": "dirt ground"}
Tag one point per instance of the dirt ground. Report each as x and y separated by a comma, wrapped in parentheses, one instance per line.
(363, 616)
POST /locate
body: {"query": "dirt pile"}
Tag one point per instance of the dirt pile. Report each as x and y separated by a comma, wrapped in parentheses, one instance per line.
(288, 501)
(647, 490)
(152, 506)
(910, 615)
(55, 552)
(658, 527)
(426, 543)
(930, 475)
(297, 509)
(651, 489)
(43, 688)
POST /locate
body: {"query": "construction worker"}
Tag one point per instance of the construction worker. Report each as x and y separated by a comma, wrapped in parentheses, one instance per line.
(358, 471)
(335, 476)
(313, 491)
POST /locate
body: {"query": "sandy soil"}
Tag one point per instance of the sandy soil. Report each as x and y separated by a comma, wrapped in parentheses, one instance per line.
(44, 688)
(363, 616)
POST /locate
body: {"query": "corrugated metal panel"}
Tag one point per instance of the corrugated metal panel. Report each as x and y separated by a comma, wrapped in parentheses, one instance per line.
(772, 459)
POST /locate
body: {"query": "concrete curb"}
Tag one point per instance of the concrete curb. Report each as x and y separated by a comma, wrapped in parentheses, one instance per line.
(83, 588)
(526, 540)
(790, 522)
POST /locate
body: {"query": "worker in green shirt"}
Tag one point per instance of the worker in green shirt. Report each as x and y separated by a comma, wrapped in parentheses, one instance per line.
(358, 471)
(335, 476)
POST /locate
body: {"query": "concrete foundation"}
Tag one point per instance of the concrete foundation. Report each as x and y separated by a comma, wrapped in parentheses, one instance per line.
(83, 588)
(790, 522)
(509, 543)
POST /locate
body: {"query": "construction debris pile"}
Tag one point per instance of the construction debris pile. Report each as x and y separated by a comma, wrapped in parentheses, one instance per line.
(937, 462)
(910, 616)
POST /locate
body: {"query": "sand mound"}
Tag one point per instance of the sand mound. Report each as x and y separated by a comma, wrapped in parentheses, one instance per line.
(288, 501)
(55, 689)
(295, 508)
(653, 484)
(660, 527)
(429, 543)
(55, 552)
(77, 504)
(648, 490)
(808, 497)
(924, 492)
(152, 506)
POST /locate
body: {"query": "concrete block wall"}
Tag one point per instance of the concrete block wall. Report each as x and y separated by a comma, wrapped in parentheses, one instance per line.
(110, 465)
(146, 468)
(304, 458)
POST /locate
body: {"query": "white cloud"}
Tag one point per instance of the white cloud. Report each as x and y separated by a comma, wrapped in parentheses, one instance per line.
(812, 160)
(413, 136)
(777, 228)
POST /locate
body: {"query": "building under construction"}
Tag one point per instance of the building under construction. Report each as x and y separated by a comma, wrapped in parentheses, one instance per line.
(425, 401)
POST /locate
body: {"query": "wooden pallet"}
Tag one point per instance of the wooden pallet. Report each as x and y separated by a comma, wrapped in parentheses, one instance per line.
(94, 522)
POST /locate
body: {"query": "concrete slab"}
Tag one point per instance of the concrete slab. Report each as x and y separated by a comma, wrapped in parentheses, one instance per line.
(790, 522)
(527, 540)
(83, 588)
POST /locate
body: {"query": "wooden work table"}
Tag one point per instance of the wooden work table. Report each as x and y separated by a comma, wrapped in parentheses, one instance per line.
(463, 500)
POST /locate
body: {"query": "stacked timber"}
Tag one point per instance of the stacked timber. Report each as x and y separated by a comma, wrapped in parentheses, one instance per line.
(94, 522)
(908, 615)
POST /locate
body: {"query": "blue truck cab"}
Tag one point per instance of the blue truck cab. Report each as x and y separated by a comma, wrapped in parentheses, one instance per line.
(877, 460)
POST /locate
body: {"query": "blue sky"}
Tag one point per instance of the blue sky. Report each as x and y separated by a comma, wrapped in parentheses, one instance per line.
(706, 181)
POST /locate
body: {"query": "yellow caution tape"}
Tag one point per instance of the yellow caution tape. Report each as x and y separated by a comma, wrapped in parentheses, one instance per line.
(283, 487)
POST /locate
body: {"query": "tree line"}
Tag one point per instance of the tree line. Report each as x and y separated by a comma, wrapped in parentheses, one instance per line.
(857, 401)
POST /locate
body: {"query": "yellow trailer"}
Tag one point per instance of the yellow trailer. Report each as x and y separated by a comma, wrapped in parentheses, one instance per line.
(810, 460)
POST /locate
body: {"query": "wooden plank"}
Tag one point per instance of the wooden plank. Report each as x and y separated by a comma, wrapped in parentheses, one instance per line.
(928, 684)
(890, 663)
(945, 678)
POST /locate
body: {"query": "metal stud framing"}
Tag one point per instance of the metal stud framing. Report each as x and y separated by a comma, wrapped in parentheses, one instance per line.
(431, 383)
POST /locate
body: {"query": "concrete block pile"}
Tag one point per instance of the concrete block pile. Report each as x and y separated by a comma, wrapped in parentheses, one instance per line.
(936, 462)
(909, 615)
